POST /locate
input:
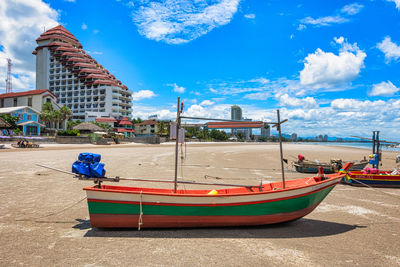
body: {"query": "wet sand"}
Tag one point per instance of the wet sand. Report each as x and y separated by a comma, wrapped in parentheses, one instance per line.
(353, 226)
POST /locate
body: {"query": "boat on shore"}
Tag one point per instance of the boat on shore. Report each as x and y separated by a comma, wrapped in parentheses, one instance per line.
(307, 166)
(122, 206)
(378, 179)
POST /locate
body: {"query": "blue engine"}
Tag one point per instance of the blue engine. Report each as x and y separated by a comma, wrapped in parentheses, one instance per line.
(88, 164)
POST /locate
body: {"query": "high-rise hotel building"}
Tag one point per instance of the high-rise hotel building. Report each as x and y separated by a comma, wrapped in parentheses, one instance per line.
(77, 79)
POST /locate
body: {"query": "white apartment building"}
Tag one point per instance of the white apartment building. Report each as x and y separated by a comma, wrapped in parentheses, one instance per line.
(77, 79)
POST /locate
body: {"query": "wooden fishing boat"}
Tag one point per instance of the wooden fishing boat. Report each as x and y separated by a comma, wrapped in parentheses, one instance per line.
(121, 206)
(379, 179)
(308, 166)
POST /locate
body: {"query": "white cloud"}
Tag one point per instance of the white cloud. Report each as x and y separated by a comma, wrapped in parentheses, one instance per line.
(250, 16)
(352, 9)
(71, 1)
(142, 111)
(142, 94)
(325, 69)
(390, 49)
(96, 31)
(84, 26)
(397, 2)
(206, 103)
(324, 21)
(356, 105)
(176, 22)
(307, 102)
(301, 27)
(258, 96)
(384, 89)
(177, 88)
(341, 16)
(21, 22)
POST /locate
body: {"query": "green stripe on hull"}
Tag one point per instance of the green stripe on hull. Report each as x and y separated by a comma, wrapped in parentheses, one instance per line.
(280, 206)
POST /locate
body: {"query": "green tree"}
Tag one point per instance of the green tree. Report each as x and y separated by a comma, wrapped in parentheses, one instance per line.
(163, 128)
(72, 124)
(12, 121)
(218, 135)
(65, 114)
(137, 120)
(240, 136)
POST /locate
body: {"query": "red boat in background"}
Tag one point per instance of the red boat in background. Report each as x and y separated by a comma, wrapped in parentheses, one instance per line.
(377, 179)
(374, 177)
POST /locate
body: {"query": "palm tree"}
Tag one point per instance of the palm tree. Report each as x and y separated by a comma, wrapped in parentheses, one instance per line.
(47, 117)
(65, 114)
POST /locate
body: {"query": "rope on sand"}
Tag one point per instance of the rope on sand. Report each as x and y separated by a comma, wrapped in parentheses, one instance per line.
(366, 185)
(51, 214)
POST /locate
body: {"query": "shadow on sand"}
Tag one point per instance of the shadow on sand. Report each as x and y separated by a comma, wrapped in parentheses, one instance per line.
(296, 229)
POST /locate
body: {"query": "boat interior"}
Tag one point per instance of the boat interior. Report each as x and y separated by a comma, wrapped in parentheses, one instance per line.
(267, 187)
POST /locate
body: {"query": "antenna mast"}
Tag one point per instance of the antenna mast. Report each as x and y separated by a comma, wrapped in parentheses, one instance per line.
(9, 77)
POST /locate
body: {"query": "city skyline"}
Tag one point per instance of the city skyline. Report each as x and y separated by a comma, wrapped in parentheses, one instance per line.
(330, 67)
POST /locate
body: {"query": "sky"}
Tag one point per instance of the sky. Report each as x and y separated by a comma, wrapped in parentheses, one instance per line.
(331, 67)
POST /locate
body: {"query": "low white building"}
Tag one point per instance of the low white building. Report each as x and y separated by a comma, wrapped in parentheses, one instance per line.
(33, 98)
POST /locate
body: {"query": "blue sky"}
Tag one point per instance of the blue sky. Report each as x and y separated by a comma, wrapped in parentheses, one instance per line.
(332, 67)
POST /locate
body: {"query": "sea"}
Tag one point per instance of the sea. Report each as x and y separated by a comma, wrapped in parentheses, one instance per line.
(352, 144)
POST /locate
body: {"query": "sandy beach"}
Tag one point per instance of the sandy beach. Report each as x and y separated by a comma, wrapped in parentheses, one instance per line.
(44, 218)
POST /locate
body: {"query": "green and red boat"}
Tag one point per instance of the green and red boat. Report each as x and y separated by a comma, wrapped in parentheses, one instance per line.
(122, 206)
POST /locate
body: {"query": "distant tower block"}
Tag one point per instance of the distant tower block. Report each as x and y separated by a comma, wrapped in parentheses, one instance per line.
(9, 77)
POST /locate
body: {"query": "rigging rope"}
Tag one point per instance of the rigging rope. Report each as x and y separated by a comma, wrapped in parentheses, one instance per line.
(140, 221)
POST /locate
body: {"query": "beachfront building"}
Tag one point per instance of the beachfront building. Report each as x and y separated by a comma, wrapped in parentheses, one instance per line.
(294, 137)
(146, 128)
(33, 98)
(125, 126)
(77, 79)
(28, 119)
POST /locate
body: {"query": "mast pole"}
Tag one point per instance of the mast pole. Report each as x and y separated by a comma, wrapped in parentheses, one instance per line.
(178, 122)
(378, 148)
(373, 142)
(280, 147)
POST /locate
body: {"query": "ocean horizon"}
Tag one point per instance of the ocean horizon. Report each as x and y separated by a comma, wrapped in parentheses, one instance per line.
(363, 145)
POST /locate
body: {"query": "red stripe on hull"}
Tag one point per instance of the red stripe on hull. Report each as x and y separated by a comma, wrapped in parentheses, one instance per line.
(165, 221)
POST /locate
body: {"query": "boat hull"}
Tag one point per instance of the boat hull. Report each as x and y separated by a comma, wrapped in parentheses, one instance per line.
(383, 179)
(120, 208)
(313, 168)
(176, 221)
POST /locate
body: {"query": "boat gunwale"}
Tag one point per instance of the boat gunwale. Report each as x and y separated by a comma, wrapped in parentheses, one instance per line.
(380, 174)
(213, 204)
(336, 176)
